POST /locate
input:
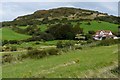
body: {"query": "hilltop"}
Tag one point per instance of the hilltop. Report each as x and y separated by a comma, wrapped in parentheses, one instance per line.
(62, 14)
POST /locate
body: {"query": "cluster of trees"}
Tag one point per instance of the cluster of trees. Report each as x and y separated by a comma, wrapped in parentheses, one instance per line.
(64, 31)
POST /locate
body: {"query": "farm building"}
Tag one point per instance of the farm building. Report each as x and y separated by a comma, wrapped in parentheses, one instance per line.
(104, 34)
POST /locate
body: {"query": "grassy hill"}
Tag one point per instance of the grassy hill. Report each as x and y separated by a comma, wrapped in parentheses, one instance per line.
(61, 14)
(8, 34)
(92, 62)
(95, 25)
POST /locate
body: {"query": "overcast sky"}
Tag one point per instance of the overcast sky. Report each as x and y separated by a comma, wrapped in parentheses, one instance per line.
(11, 10)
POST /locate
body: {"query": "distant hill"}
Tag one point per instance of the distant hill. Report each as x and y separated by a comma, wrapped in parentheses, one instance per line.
(63, 13)
(59, 13)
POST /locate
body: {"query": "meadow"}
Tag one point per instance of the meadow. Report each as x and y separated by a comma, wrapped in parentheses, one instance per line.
(91, 61)
(98, 25)
(8, 34)
(80, 63)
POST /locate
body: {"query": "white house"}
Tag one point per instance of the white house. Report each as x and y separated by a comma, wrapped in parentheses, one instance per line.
(103, 34)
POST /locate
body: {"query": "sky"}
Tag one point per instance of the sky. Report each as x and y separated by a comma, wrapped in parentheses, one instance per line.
(11, 9)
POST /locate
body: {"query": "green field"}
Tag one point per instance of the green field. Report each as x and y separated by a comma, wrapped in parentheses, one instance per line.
(91, 60)
(8, 34)
(98, 26)
(95, 25)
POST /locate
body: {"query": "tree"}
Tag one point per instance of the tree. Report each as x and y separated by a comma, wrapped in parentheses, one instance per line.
(77, 29)
(91, 32)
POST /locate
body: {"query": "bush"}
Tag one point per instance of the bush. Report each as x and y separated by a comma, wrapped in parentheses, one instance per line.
(13, 41)
(7, 58)
(6, 48)
(22, 56)
(5, 42)
(37, 43)
(91, 32)
(108, 42)
(13, 48)
(35, 53)
(59, 44)
(52, 51)
(29, 48)
(78, 47)
(69, 44)
(88, 23)
(89, 41)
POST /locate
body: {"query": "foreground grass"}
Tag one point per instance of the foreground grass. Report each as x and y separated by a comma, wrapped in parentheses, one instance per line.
(63, 65)
(8, 34)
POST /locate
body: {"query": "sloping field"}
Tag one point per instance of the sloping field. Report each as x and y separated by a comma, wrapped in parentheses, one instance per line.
(96, 25)
(78, 63)
(8, 34)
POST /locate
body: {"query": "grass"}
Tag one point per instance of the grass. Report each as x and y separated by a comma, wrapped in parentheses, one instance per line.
(8, 34)
(22, 27)
(95, 25)
(98, 26)
(34, 45)
(89, 59)
(42, 27)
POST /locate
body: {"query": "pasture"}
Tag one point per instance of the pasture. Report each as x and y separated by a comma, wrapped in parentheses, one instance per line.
(8, 34)
(91, 61)
(96, 25)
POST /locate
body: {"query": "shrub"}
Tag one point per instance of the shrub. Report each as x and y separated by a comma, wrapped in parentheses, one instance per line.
(7, 58)
(88, 23)
(22, 56)
(29, 48)
(108, 42)
(13, 48)
(37, 43)
(13, 41)
(5, 42)
(52, 51)
(78, 47)
(59, 44)
(88, 36)
(91, 32)
(6, 48)
(89, 41)
(35, 53)
(69, 44)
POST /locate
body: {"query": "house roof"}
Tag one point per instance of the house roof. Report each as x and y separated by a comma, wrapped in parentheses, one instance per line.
(105, 33)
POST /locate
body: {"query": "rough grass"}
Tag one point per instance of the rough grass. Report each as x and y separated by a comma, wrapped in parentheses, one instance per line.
(34, 45)
(71, 64)
(8, 34)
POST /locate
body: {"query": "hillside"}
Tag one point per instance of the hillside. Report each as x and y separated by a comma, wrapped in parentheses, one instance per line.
(8, 34)
(91, 61)
(59, 13)
(62, 14)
